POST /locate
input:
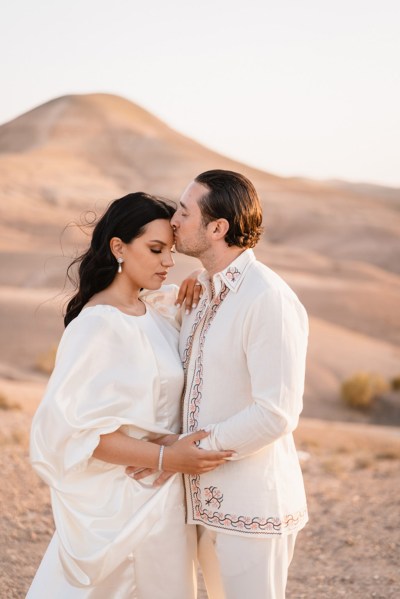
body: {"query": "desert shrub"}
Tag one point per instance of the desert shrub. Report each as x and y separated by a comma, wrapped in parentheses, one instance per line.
(360, 390)
(395, 383)
(45, 361)
(6, 404)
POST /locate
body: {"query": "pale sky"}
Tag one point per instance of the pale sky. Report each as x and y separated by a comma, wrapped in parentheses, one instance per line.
(296, 87)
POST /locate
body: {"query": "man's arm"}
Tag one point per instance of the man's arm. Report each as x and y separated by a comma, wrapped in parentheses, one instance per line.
(275, 343)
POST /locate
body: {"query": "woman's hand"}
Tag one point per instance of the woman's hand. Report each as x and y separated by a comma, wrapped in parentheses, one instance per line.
(184, 456)
(190, 291)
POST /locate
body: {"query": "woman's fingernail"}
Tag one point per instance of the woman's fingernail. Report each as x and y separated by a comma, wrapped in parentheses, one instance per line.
(187, 311)
(178, 305)
(194, 305)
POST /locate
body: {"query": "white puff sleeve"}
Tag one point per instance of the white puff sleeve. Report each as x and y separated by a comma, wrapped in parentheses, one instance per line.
(105, 378)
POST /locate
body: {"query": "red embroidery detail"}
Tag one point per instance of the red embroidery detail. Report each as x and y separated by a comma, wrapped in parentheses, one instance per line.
(213, 496)
(232, 273)
(195, 390)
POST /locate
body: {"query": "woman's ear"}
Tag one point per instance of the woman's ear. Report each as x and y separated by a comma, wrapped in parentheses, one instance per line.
(116, 247)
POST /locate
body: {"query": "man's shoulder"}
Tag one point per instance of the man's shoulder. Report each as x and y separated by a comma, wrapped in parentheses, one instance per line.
(260, 278)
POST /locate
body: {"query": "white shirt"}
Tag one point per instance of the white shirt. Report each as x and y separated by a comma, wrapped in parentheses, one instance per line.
(244, 354)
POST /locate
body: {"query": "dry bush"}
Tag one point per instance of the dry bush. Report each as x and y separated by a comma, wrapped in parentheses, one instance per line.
(45, 361)
(6, 404)
(395, 383)
(360, 390)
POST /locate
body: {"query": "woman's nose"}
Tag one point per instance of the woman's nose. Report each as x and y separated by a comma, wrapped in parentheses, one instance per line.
(168, 260)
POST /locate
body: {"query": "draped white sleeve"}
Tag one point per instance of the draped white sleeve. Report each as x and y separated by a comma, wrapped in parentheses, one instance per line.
(105, 378)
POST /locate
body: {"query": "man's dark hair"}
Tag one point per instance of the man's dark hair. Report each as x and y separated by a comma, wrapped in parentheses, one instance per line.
(233, 197)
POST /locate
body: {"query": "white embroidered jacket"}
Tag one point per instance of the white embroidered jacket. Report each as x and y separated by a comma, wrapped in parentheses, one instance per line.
(243, 352)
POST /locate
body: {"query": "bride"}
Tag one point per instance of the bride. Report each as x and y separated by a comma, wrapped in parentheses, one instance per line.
(114, 394)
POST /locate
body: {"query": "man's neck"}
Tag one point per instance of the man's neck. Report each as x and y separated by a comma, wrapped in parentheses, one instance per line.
(217, 259)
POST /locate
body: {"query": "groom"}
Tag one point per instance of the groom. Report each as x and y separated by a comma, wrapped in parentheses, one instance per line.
(243, 351)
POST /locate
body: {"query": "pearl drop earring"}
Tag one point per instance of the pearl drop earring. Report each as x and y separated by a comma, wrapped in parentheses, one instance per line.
(120, 261)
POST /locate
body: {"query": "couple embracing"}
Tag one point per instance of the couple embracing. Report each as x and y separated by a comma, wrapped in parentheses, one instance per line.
(145, 390)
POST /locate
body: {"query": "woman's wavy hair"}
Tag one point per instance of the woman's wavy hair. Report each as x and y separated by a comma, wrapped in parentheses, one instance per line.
(233, 197)
(125, 218)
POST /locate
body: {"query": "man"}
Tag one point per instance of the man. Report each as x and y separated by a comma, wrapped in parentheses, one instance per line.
(243, 351)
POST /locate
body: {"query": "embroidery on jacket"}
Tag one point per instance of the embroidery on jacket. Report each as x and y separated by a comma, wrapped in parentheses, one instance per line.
(197, 383)
(255, 525)
(189, 343)
(213, 496)
(232, 273)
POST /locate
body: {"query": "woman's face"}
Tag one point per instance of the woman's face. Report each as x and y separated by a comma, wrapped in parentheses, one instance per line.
(148, 258)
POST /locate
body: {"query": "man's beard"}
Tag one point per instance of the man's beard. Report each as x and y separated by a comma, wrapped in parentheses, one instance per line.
(194, 249)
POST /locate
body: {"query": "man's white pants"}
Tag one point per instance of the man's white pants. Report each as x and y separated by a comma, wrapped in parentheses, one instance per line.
(236, 567)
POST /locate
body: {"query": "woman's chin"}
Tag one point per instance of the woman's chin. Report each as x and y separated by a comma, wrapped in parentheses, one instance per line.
(154, 285)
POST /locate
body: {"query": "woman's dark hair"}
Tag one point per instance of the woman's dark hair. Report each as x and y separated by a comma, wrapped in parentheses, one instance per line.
(125, 218)
(233, 197)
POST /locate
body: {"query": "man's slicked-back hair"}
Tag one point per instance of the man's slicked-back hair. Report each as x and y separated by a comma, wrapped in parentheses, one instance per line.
(233, 197)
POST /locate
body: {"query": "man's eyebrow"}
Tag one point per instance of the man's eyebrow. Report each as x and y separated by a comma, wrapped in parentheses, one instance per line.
(183, 205)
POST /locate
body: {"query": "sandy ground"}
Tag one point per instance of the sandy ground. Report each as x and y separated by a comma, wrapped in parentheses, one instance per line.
(350, 548)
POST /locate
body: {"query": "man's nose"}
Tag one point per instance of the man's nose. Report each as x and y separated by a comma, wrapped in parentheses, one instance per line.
(174, 222)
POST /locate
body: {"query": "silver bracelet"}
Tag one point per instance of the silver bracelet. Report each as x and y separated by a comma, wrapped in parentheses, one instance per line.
(160, 457)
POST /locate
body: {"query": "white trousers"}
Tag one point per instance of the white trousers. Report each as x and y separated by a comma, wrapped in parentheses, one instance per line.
(236, 567)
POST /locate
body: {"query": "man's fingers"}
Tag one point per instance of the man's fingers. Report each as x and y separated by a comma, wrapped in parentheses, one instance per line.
(164, 476)
(132, 469)
(144, 473)
(139, 473)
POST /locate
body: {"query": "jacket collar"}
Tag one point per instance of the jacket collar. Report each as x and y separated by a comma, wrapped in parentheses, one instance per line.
(233, 275)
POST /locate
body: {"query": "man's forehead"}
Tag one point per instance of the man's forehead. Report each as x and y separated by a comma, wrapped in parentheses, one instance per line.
(192, 194)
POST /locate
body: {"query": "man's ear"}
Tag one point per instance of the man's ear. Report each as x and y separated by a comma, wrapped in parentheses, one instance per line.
(116, 247)
(219, 228)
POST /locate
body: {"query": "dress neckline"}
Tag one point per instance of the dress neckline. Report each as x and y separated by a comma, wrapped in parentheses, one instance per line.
(118, 310)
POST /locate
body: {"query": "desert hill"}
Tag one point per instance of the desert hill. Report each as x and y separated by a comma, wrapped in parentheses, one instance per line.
(337, 244)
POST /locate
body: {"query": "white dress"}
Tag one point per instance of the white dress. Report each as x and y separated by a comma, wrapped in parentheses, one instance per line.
(115, 537)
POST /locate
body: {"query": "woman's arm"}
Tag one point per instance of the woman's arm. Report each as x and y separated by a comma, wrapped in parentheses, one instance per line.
(182, 456)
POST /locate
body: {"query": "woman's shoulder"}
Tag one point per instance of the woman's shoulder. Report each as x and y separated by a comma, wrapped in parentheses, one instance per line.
(95, 321)
(165, 297)
(163, 301)
(94, 314)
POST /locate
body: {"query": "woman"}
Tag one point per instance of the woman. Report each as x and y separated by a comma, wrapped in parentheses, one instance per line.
(114, 393)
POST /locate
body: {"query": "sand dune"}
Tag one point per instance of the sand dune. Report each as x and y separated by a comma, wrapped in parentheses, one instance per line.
(337, 244)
